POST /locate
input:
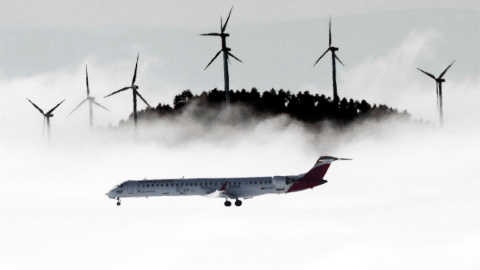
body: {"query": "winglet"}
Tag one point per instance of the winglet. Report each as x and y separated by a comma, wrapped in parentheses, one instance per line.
(223, 187)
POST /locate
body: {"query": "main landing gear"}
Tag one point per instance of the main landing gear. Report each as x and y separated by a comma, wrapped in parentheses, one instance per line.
(237, 203)
(119, 202)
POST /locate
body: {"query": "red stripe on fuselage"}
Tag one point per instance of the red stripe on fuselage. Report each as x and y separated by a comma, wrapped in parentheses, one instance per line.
(306, 184)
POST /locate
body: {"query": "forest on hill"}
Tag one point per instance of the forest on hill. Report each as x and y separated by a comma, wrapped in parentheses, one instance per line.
(303, 107)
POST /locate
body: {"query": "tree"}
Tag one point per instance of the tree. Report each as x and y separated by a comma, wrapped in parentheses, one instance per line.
(181, 100)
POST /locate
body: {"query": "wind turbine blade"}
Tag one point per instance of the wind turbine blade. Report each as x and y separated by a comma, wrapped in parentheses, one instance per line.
(36, 107)
(135, 73)
(339, 60)
(428, 74)
(216, 55)
(78, 106)
(49, 112)
(140, 96)
(228, 59)
(330, 32)
(98, 104)
(321, 57)
(210, 34)
(445, 71)
(88, 88)
(123, 89)
(228, 18)
(235, 57)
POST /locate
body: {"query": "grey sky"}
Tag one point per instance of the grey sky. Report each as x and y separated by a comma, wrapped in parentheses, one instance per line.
(195, 14)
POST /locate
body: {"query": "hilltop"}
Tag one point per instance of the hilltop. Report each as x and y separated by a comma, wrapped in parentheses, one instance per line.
(303, 107)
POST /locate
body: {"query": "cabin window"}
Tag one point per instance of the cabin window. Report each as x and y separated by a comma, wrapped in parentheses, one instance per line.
(255, 182)
(195, 184)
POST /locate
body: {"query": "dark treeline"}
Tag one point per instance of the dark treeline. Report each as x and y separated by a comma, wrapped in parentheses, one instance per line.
(303, 106)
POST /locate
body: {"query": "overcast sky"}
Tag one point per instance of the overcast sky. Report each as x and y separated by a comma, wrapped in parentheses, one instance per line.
(408, 200)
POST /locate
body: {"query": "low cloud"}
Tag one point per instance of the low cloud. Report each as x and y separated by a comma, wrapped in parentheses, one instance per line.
(409, 198)
(394, 80)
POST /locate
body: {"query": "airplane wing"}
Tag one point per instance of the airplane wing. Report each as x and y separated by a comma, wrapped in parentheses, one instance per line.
(220, 193)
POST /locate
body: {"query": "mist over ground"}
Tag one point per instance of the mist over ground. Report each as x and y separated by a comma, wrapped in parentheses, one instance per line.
(409, 198)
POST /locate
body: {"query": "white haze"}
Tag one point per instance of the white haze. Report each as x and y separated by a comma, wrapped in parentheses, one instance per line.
(408, 200)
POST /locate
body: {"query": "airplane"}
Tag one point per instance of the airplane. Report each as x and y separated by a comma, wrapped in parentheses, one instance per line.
(227, 188)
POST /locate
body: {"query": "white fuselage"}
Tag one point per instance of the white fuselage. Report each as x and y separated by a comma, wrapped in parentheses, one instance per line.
(236, 187)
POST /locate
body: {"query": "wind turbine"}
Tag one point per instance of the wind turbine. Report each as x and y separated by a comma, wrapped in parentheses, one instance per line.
(91, 100)
(135, 93)
(334, 58)
(439, 82)
(226, 53)
(46, 116)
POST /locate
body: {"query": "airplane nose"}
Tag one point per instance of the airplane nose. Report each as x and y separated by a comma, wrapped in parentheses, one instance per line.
(110, 194)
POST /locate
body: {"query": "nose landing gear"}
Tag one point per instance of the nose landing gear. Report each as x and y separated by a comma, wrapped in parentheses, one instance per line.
(119, 202)
(227, 203)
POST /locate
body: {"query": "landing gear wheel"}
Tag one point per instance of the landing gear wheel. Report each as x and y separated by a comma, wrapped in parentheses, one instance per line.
(118, 201)
(228, 203)
(238, 203)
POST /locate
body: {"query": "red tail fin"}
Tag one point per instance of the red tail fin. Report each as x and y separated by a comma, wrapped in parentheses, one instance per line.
(314, 177)
(320, 168)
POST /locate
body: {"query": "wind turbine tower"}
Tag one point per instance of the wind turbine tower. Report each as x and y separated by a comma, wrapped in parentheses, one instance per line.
(135, 93)
(226, 53)
(439, 82)
(334, 59)
(91, 101)
(46, 116)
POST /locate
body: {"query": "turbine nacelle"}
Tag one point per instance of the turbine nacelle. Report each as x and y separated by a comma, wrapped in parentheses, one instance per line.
(333, 49)
(135, 87)
(48, 115)
(440, 80)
